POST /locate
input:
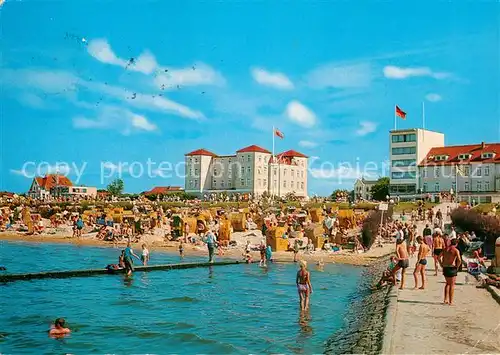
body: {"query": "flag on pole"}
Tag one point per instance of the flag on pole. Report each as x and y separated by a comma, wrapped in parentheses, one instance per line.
(400, 113)
(278, 133)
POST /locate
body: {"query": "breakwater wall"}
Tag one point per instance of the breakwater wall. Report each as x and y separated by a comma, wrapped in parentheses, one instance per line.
(364, 327)
(95, 272)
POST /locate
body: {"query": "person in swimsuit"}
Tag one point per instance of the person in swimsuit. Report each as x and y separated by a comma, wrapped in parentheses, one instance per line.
(262, 249)
(295, 250)
(423, 250)
(438, 246)
(304, 286)
(129, 262)
(181, 249)
(450, 261)
(59, 329)
(403, 262)
(145, 255)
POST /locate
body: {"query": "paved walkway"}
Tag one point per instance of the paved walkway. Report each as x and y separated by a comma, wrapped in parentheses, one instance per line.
(424, 325)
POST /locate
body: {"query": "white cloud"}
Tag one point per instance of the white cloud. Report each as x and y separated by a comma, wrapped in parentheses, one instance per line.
(276, 80)
(115, 118)
(199, 74)
(308, 144)
(101, 50)
(432, 97)
(340, 75)
(300, 114)
(393, 72)
(31, 100)
(366, 127)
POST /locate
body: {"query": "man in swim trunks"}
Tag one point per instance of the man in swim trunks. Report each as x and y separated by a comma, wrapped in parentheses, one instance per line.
(450, 261)
(438, 246)
(129, 262)
(403, 262)
(304, 287)
(423, 250)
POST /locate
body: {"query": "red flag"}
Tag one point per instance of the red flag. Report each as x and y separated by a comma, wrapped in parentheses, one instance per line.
(400, 113)
(279, 133)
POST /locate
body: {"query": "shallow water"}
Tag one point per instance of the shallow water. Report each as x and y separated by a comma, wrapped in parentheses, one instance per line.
(227, 309)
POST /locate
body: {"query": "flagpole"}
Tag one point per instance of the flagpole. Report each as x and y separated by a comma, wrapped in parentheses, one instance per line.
(395, 119)
(272, 167)
(423, 114)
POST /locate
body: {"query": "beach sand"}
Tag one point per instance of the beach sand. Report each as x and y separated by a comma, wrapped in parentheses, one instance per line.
(344, 257)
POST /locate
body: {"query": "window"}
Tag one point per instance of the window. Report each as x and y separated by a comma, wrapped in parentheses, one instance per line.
(486, 186)
(466, 187)
(486, 171)
(437, 171)
(403, 175)
(259, 171)
(404, 150)
(479, 186)
(222, 183)
(215, 171)
(466, 172)
(302, 174)
(196, 160)
(400, 138)
(284, 183)
(274, 183)
(424, 172)
(487, 155)
(265, 183)
(425, 187)
(249, 158)
(249, 182)
(284, 172)
(302, 186)
(242, 170)
(249, 170)
(436, 187)
(274, 172)
(292, 172)
(265, 169)
(195, 172)
(195, 183)
(404, 162)
(260, 159)
(478, 171)
(229, 184)
(464, 156)
(242, 182)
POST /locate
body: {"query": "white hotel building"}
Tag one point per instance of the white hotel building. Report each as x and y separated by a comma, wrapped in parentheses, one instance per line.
(478, 175)
(251, 170)
(407, 148)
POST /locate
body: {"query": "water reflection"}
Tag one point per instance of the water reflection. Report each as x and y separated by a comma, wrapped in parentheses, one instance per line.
(128, 281)
(210, 272)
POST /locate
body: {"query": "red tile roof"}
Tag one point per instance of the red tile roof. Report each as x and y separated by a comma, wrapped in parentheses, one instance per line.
(475, 151)
(160, 190)
(292, 154)
(202, 152)
(49, 181)
(253, 149)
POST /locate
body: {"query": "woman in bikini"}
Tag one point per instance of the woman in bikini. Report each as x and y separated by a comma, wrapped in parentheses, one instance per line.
(304, 286)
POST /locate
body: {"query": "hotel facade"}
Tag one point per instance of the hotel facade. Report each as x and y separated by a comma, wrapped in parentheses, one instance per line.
(252, 170)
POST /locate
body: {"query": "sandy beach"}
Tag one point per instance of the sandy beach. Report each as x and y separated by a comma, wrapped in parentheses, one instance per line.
(343, 257)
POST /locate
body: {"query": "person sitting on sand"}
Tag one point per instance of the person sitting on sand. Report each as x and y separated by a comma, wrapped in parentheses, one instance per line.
(59, 328)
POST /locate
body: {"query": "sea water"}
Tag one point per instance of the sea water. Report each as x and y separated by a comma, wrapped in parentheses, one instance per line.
(238, 309)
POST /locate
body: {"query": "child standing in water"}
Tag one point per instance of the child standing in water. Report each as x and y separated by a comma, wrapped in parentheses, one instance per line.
(145, 255)
(181, 250)
(304, 286)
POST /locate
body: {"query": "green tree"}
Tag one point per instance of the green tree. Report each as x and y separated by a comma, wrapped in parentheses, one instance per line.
(381, 189)
(115, 188)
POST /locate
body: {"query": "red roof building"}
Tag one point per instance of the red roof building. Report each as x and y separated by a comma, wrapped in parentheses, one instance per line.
(253, 149)
(201, 152)
(463, 154)
(292, 154)
(163, 190)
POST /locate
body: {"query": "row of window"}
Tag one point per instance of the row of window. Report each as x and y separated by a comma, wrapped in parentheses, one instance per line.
(404, 150)
(404, 162)
(400, 138)
(403, 175)
(479, 186)
(462, 171)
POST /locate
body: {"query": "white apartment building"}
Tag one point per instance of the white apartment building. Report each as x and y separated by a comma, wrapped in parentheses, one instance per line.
(251, 170)
(407, 148)
(363, 189)
(478, 175)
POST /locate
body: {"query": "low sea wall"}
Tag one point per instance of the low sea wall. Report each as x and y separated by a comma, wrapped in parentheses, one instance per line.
(363, 330)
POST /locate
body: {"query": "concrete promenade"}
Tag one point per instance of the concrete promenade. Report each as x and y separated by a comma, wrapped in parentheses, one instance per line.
(419, 322)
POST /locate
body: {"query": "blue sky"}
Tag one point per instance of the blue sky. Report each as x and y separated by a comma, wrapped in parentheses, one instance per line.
(220, 74)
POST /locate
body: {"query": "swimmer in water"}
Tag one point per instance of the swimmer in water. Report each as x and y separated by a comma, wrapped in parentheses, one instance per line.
(319, 265)
(59, 328)
(304, 286)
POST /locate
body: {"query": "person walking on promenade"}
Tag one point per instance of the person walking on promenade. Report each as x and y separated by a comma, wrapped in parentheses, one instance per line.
(427, 233)
(423, 250)
(403, 262)
(450, 262)
(304, 287)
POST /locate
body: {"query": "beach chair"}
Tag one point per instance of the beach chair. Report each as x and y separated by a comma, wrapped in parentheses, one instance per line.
(473, 268)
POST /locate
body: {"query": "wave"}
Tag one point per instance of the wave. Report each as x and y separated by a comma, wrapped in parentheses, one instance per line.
(180, 299)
